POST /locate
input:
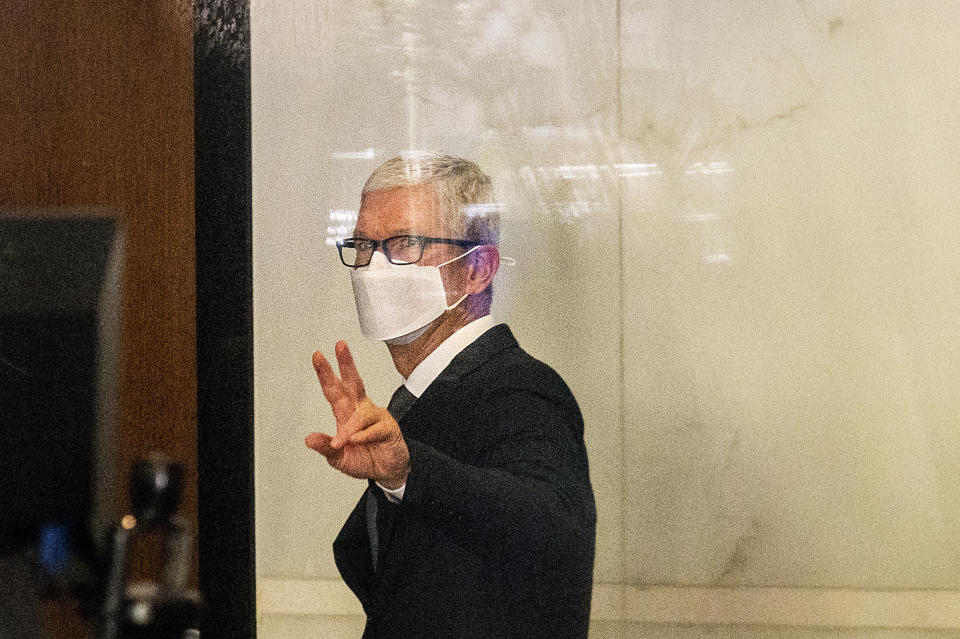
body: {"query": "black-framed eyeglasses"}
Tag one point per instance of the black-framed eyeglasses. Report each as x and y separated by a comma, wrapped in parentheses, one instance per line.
(356, 252)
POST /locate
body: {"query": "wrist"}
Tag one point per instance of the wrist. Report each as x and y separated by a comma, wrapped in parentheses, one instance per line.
(394, 483)
(398, 480)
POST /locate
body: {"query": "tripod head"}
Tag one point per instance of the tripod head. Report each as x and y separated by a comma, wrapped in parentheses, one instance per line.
(156, 485)
(162, 608)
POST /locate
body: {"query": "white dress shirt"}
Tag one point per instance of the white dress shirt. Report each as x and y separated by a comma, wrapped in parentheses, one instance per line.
(433, 364)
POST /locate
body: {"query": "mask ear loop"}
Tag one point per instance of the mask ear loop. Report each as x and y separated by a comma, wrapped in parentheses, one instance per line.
(457, 303)
(461, 255)
(504, 260)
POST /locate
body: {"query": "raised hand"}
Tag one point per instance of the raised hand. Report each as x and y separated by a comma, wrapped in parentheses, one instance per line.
(368, 443)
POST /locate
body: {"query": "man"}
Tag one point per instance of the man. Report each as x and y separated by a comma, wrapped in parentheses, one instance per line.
(478, 519)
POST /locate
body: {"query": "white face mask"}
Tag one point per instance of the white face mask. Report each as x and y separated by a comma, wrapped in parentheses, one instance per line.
(396, 304)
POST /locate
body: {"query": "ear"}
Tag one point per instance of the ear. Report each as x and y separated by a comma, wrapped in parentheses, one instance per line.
(482, 265)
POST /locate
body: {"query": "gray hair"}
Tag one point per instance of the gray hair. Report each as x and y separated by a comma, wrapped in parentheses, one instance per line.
(464, 192)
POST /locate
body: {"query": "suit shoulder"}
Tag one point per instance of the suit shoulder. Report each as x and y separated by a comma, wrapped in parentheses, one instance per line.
(513, 370)
(516, 366)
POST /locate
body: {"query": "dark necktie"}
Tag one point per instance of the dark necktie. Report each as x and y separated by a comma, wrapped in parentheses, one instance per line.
(399, 404)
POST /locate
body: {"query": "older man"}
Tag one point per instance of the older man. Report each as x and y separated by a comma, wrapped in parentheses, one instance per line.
(478, 519)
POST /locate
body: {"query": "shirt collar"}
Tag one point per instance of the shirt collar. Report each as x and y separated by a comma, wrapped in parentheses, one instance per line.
(433, 364)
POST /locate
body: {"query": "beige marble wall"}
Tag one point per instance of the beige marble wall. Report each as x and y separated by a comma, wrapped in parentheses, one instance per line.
(735, 227)
(791, 325)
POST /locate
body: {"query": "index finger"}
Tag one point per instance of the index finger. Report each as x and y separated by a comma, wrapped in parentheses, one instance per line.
(328, 379)
(348, 371)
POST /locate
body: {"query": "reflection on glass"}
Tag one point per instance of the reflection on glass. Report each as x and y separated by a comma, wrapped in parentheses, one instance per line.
(341, 225)
(705, 210)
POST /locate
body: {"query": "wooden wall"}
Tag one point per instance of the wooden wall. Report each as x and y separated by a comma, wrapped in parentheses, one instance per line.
(96, 112)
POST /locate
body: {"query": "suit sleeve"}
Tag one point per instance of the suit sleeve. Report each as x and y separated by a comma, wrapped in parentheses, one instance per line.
(528, 498)
(351, 551)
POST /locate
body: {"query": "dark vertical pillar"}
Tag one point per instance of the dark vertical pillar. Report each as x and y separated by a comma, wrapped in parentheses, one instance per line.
(224, 318)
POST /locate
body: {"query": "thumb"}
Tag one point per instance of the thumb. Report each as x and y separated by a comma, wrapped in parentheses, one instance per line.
(319, 442)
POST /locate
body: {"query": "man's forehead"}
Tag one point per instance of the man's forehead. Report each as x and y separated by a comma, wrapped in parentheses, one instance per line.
(406, 209)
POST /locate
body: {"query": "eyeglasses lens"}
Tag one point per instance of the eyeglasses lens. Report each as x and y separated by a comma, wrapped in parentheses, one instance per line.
(404, 249)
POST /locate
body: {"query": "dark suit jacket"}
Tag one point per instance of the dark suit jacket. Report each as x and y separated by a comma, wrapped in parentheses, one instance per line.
(495, 534)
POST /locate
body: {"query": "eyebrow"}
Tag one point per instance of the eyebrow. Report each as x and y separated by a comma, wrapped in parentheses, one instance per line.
(403, 231)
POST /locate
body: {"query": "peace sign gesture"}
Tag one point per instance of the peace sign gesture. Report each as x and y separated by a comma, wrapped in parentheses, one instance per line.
(368, 443)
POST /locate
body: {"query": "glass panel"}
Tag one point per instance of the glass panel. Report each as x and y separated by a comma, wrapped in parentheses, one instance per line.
(734, 237)
(416, 76)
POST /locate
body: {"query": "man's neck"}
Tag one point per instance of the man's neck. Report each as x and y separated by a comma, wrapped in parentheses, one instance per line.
(407, 357)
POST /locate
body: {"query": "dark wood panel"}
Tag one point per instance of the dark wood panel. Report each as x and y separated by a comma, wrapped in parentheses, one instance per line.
(96, 113)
